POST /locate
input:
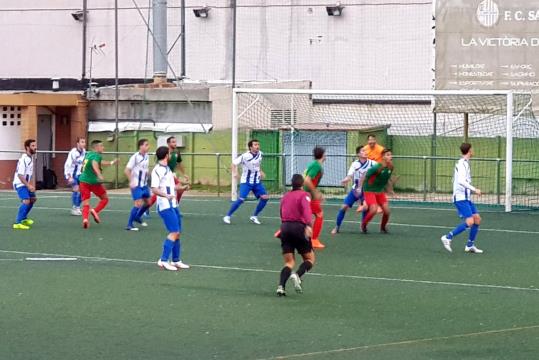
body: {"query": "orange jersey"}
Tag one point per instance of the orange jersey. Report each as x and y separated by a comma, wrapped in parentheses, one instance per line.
(374, 154)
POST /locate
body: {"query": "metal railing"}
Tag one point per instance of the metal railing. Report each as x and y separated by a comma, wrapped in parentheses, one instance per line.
(422, 178)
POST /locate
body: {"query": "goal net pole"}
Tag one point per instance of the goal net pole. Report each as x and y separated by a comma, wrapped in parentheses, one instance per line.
(234, 148)
(239, 123)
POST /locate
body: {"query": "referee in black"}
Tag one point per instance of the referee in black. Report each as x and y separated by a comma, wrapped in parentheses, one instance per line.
(296, 231)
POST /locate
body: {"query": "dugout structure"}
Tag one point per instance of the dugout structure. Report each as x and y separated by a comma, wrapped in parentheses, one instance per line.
(423, 128)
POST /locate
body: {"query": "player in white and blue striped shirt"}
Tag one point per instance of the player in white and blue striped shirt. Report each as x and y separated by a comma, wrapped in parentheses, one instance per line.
(22, 184)
(136, 171)
(164, 187)
(462, 198)
(356, 173)
(72, 169)
(251, 180)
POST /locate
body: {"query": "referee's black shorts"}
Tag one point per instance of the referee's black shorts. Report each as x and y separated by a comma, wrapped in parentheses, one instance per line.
(293, 238)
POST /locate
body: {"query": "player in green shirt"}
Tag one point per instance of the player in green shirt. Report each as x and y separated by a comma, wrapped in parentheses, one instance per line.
(313, 175)
(376, 180)
(91, 180)
(175, 161)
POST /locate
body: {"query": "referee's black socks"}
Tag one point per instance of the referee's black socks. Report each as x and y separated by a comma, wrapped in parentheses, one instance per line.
(285, 274)
(304, 267)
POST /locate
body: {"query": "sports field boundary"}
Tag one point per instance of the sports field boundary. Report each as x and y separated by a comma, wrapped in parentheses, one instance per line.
(234, 268)
(401, 343)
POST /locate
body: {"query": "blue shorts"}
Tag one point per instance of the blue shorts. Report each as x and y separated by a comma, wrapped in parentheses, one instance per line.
(172, 219)
(351, 198)
(465, 208)
(140, 192)
(257, 189)
(75, 181)
(24, 194)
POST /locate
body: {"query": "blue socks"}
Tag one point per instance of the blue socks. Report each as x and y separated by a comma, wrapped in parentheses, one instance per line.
(473, 234)
(28, 209)
(261, 205)
(76, 199)
(235, 206)
(340, 217)
(132, 216)
(460, 228)
(23, 211)
(176, 251)
(168, 245)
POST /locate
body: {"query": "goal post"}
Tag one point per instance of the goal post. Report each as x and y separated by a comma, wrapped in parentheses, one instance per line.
(423, 128)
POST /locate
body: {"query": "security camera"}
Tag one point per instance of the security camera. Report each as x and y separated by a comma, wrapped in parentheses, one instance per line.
(78, 15)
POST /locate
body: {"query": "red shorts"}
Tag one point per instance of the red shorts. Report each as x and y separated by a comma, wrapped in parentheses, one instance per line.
(316, 206)
(375, 198)
(86, 190)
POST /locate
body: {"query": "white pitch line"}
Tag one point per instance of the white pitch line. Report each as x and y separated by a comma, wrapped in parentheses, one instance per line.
(443, 227)
(11, 259)
(50, 259)
(233, 268)
(276, 202)
(404, 342)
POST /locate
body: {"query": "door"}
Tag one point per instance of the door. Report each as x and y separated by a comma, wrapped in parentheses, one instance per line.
(44, 142)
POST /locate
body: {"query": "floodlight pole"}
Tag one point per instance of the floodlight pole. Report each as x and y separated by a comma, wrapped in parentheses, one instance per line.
(116, 89)
(234, 18)
(84, 32)
(182, 40)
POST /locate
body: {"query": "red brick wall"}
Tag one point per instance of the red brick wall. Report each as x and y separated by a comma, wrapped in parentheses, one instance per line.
(7, 169)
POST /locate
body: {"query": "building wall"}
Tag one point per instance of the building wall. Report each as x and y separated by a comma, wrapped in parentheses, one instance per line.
(385, 45)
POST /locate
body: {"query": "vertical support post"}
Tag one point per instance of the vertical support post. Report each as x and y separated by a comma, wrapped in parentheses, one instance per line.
(292, 135)
(498, 170)
(425, 178)
(433, 152)
(84, 33)
(283, 172)
(192, 170)
(498, 180)
(466, 126)
(182, 40)
(218, 157)
(116, 90)
(234, 28)
(234, 181)
(509, 153)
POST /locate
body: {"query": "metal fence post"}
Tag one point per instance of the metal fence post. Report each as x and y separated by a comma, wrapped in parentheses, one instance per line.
(283, 171)
(424, 178)
(218, 157)
(498, 181)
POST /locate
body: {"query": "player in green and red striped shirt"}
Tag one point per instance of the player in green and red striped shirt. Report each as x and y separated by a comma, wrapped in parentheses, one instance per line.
(313, 175)
(374, 186)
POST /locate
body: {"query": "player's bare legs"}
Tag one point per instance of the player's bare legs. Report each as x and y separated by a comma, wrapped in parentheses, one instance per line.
(385, 217)
(373, 210)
